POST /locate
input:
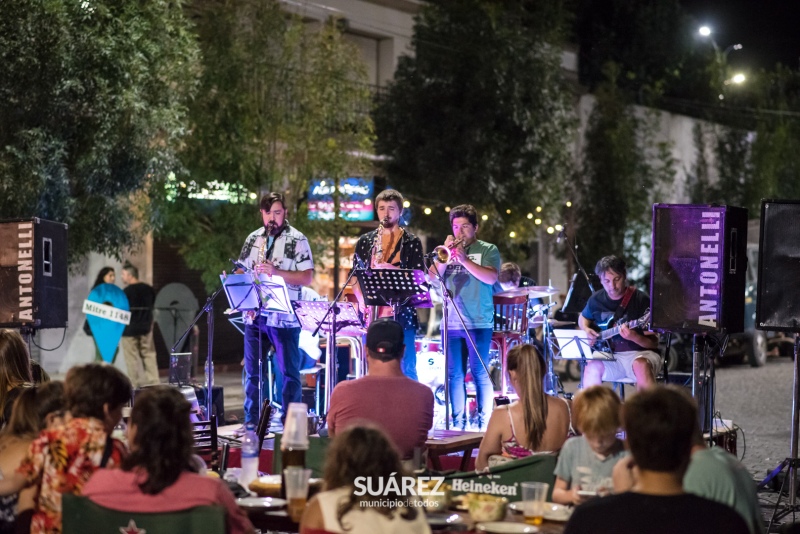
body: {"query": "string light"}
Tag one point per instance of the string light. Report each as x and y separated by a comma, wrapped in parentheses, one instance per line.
(427, 211)
(538, 209)
(508, 212)
(559, 227)
(512, 234)
(537, 221)
(253, 196)
(406, 204)
(530, 215)
(447, 209)
(484, 217)
(569, 204)
(367, 202)
(550, 230)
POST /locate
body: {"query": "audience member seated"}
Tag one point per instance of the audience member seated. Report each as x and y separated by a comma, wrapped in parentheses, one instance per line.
(29, 416)
(536, 423)
(365, 453)
(713, 473)
(15, 371)
(659, 423)
(402, 407)
(63, 458)
(160, 474)
(586, 463)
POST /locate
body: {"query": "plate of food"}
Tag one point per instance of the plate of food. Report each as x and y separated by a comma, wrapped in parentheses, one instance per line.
(262, 503)
(552, 511)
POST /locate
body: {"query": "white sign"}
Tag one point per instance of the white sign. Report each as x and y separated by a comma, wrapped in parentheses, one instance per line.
(106, 312)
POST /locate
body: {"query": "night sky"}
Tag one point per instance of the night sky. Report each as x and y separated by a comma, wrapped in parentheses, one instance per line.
(769, 30)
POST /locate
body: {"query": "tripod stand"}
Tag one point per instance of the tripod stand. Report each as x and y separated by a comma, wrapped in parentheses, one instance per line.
(792, 462)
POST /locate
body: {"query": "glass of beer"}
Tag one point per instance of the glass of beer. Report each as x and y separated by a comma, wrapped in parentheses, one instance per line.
(534, 496)
(296, 480)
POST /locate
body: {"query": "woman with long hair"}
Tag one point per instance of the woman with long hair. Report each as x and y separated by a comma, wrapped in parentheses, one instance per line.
(159, 474)
(15, 371)
(536, 423)
(362, 451)
(32, 410)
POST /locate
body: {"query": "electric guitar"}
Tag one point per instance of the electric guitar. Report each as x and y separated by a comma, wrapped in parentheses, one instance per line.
(604, 343)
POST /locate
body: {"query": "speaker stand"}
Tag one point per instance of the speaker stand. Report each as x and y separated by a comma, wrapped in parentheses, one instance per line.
(792, 462)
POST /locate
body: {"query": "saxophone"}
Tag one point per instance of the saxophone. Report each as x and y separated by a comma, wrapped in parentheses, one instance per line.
(375, 312)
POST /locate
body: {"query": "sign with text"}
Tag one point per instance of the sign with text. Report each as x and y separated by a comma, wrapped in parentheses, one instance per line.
(355, 200)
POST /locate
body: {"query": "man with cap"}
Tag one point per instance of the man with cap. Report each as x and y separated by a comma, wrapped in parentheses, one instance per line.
(402, 407)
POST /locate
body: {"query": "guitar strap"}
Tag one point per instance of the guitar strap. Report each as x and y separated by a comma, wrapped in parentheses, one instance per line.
(626, 299)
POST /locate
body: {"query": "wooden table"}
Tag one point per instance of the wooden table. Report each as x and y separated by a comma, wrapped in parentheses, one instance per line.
(449, 441)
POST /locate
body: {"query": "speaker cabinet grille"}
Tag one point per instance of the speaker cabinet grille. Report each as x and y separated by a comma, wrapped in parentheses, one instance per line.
(33, 274)
(698, 268)
(778, 302)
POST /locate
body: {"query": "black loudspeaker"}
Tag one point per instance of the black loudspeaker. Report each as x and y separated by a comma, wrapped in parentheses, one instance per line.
(33, 274)
(698, 268)
(778, 302)
(579, 292)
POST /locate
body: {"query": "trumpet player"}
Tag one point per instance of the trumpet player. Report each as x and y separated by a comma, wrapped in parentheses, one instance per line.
(392, 247)
(469, 274)
(275, 249)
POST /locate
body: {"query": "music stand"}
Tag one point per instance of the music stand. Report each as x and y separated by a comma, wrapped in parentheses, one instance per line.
(314, 316)
(575, 345)
(265, 293)
(394, 287)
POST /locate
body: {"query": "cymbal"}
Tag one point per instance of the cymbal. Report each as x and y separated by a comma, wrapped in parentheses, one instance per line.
(530, 291)
(537, 322)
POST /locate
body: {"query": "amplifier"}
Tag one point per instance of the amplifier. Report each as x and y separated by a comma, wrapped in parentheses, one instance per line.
(698, 268)
(33, 274)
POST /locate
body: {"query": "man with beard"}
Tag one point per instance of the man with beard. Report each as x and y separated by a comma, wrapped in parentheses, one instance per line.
(399, 249)
(275, 249)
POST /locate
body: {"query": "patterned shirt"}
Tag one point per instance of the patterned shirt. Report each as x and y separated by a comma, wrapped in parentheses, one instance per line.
(289, 251)
(61, 460)
(407, 254)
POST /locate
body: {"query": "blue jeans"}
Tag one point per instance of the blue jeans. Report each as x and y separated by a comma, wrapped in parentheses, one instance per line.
(409, 362)
(287, 360)
(459, 351)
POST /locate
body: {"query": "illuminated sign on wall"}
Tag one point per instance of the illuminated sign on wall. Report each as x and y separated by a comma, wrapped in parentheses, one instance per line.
(355, 202)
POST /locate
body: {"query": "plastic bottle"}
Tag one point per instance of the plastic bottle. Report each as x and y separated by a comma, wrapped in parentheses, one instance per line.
(295, 440)
(249, 456)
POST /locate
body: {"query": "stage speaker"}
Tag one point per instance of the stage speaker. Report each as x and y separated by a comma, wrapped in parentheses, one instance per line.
(579, 292)
(33, 274)
(698, 268)
(778, 300)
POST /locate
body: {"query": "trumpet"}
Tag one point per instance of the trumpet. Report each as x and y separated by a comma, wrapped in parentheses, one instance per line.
(443, 253)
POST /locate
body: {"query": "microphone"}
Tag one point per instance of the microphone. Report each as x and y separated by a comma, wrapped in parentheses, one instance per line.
(538, 308)
(238, 264)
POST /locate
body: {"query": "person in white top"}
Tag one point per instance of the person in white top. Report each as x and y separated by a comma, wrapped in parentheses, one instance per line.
(357, 457)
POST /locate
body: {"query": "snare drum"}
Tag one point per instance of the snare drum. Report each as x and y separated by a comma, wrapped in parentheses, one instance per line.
(430, 368)
(424, 344)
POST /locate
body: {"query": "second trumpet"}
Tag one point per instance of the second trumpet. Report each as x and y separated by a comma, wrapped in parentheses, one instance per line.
(443, 253)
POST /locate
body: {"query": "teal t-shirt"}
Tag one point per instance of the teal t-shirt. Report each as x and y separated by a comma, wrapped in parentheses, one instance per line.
(472, 297)
(716, 474)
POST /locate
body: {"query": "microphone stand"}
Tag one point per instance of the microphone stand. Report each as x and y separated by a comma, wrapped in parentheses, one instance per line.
(208, 309)
(578, 262)
(447, 296)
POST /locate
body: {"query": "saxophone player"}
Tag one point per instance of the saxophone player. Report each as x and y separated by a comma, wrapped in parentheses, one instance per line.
(392, 247)
(275, 249)
(469, 274)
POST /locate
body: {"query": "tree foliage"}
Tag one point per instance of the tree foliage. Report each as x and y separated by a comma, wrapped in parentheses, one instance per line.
(280, 102)
(481, 114)
(93, 108)
(625, 170)
(655, 45)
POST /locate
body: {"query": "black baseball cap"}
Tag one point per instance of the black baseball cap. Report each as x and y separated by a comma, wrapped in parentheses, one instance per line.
(385, 336)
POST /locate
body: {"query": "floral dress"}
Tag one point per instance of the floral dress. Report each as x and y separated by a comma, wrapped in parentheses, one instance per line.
(60, 461)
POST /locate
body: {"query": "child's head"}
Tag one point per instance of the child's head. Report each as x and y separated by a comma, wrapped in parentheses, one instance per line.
(97, 390)
(597, 415)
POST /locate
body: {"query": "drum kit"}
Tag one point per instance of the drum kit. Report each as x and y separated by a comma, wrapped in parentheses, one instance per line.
(431, 360)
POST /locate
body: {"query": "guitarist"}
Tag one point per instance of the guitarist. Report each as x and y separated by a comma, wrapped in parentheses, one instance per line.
(615, 304)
